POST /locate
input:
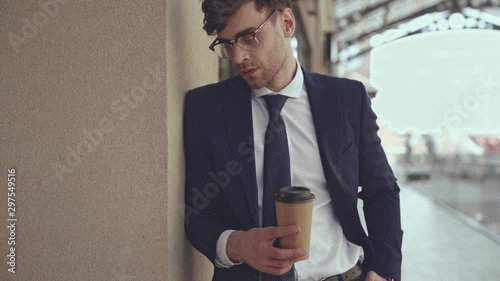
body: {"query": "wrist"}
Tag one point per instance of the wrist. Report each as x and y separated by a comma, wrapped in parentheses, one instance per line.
(233, 246)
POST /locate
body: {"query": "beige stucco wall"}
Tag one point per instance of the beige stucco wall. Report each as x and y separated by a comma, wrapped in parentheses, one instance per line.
(189, 64)
(92, 125)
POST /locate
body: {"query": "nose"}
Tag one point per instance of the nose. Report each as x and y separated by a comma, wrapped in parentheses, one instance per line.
(239, 55)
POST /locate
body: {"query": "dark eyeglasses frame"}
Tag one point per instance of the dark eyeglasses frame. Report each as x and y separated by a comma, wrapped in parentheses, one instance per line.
(235, 40)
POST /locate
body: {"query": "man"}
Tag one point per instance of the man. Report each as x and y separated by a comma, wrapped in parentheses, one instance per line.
(276, 125)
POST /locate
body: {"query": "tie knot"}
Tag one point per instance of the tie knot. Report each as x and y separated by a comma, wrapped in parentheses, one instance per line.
(275, 103)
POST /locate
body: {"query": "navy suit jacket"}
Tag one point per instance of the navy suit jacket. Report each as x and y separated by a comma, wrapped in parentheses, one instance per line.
(221, 187)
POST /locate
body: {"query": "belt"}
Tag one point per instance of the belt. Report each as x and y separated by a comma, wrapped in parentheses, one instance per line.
(349, 275)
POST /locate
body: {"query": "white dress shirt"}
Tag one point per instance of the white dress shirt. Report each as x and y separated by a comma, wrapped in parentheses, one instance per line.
(330, 253)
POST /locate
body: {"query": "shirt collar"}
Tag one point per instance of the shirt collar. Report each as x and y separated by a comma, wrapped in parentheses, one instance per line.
(292, 90)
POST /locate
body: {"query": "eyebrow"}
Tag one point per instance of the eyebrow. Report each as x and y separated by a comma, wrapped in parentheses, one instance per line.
(247, 30)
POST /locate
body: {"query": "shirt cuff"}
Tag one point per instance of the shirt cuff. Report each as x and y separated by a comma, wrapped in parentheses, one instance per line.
(221, 258)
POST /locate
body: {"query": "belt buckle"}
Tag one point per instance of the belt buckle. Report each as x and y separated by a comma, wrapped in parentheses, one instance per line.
(356, 270)
(357, 267)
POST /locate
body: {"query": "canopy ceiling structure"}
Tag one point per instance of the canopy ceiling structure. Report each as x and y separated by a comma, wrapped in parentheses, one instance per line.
(449, 70)
(365, 24)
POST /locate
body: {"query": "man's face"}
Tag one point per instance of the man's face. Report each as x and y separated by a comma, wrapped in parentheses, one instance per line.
(259, 66)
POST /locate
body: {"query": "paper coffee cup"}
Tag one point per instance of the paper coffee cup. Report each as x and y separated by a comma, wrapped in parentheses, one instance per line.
(294, 207)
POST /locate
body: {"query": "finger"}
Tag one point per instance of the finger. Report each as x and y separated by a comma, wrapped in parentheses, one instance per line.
(286, 254)
(281, 231)
(279, 264)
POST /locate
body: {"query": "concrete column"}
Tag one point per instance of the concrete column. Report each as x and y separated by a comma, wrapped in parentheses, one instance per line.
(91, 103)
(189, 64)
(313, 33)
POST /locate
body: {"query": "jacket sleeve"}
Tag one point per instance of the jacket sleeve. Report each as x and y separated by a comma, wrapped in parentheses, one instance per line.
(380, 195)
(202, 217)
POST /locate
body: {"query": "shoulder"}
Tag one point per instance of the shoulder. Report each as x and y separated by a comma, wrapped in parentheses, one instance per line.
(346, 89)
(337, 83)
(207, 102)
(213, 91)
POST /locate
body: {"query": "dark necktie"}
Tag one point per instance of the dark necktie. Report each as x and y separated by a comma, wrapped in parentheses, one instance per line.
(276, 169)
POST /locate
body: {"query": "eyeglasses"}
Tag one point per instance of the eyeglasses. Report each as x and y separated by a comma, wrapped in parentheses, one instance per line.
(247, 41)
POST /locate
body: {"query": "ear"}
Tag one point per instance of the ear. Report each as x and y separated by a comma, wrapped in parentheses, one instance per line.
(288, 21)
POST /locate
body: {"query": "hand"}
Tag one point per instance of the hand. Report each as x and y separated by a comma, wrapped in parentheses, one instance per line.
(373, 276)
(255, 248)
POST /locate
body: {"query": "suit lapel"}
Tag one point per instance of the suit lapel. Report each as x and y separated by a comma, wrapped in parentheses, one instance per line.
(327, 118)
(238, 117)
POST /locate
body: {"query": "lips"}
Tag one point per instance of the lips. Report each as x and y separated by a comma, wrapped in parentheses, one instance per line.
(248, 72)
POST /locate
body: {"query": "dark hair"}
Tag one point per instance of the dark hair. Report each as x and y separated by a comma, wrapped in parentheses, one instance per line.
(217, 11)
